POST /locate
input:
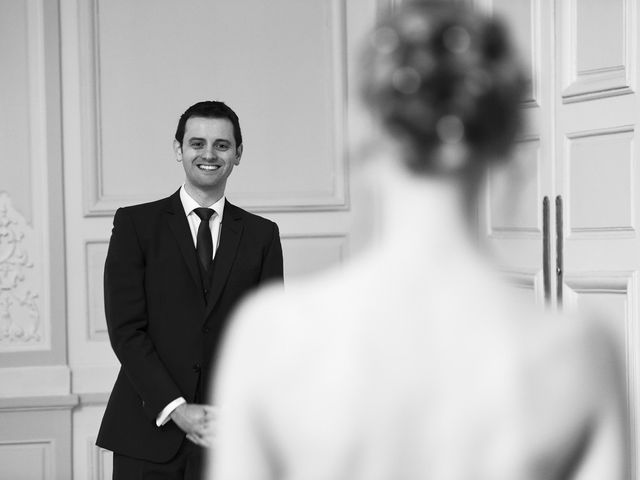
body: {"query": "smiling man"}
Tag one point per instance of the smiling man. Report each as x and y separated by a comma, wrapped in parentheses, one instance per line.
(175, 269)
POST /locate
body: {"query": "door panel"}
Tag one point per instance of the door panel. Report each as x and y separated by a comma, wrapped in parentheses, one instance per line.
(579, 151)
(596, 118)
(511, 215)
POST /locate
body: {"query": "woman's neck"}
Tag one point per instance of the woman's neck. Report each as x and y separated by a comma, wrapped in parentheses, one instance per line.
(420, 213)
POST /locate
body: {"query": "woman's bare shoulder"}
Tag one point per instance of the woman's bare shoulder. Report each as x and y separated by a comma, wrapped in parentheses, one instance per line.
(580, 344)
(574, 392)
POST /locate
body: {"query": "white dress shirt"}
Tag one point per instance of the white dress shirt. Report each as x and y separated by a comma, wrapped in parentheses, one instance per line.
(189, 205)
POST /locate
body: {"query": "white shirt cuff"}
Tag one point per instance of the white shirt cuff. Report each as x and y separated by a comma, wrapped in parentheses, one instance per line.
(163, 417)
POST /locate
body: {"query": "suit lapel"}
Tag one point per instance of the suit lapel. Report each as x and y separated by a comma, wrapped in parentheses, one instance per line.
(231, 232)
(180, 228)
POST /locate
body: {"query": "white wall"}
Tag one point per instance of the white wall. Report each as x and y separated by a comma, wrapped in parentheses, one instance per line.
(35, 394)
(91, 94)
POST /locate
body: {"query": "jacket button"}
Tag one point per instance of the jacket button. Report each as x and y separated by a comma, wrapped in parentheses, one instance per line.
(196, 367)
(205, 329)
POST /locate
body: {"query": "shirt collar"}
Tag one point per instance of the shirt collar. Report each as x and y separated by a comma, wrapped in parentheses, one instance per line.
(189, 204)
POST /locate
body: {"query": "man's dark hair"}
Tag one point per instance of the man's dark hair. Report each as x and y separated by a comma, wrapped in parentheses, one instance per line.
(210, 109)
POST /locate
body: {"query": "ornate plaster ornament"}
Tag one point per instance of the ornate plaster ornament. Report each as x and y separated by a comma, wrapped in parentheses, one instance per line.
(19, 303)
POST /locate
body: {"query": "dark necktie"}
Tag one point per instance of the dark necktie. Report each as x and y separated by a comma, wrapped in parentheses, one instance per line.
(204, 244)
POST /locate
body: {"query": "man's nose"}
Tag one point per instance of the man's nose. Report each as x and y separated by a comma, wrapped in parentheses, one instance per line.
(209, 153)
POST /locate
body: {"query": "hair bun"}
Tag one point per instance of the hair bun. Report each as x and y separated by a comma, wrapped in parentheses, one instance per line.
(438, 74)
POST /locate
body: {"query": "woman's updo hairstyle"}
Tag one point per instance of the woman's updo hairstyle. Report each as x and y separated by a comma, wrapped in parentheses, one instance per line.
(445, 81)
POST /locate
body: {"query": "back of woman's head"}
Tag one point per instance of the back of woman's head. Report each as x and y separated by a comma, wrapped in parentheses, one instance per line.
(445, 81)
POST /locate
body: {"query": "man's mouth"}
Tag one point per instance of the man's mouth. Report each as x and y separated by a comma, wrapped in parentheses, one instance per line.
(208, 168)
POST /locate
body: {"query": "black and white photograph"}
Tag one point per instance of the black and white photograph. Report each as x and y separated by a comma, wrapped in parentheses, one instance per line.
(319, 240)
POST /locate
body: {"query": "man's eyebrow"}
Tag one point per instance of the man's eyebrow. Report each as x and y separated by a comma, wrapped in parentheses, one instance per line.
(215, 140)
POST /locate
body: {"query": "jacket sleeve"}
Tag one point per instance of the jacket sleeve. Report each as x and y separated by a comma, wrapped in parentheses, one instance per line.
(127, 320)
(272, 267)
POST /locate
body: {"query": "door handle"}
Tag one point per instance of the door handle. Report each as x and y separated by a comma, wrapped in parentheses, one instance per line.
(546, 250)
(559, 249)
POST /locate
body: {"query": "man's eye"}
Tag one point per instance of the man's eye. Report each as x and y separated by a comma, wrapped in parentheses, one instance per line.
(197, 145)
(222, 146)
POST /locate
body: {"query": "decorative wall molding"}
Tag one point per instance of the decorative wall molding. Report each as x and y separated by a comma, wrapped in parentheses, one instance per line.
(623, 284)
(32, 459)
(338, 198)
(94, 399)
(384, 6)
(36, 443)
(98, 202)
(506, 183)
(310, 253)
(625, 227)
(526, 279)
(39, 403)
(313, 236)
(89, 37)
(532, 50)
(95, 255)
(21, 325)
(534, 68)
(35, 381)
(583, 84)
(614, 282)
(25, 237)
(32, 299)
(101, 461)
(94, 379)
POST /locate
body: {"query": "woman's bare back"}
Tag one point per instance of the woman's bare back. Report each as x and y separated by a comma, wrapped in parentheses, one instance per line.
(418, 381)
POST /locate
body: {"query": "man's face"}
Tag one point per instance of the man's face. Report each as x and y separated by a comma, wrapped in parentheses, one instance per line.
(208, 153)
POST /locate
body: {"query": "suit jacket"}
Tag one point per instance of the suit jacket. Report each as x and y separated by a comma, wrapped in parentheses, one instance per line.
(164, 323)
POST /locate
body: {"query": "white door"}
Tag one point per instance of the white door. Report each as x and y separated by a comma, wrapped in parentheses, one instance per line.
(579, 153)
(515, 216)
(597, 169)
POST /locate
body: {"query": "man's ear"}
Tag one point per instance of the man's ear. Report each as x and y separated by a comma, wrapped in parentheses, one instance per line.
(177, 148)
(238, 155)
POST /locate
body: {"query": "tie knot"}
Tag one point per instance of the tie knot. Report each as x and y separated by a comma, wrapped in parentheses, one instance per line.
(204, 213)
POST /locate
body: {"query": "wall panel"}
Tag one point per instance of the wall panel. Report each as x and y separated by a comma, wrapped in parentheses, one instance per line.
(611, 299)
(90, 461)
(129, 75)
(25, 193)
(27, 460)
(608, 296)
(595, 161)
(309, 254)
(96, 254)
(527, 285)
(295, 155)
(523, 17)
(514, 193)
(32, 302)
(35, 440)
(597, 48)
(15, 118)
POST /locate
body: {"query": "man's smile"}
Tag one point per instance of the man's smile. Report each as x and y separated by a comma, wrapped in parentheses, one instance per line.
(208, 168)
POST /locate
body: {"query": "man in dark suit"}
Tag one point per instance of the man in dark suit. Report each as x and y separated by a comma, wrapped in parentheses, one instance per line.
(175, 269)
